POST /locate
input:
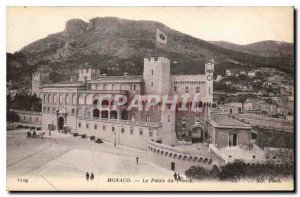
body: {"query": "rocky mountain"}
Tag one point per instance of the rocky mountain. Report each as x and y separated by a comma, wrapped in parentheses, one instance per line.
(110, 42)
(268, 48)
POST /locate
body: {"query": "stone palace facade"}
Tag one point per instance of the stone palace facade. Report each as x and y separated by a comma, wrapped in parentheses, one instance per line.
(73, 104)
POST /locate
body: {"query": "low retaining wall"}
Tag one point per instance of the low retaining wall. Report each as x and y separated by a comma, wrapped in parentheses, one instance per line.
(29, 117)
(178, 160)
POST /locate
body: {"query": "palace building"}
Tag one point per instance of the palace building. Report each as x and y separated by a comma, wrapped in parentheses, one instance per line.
(176, 139)
(73, 104)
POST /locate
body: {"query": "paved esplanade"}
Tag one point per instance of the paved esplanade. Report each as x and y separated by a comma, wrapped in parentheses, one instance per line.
(60, 162)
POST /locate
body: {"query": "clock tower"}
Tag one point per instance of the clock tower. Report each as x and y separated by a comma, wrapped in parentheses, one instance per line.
(209, 74)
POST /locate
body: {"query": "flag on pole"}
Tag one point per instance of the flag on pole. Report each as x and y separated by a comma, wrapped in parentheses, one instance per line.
(161, 37)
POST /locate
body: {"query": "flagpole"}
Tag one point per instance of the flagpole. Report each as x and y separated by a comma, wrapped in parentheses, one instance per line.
(156, 48)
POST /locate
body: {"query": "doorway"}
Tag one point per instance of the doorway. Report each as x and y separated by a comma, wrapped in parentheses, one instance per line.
(173, 166)
(232, 139)
(61, 123)
(197, 135)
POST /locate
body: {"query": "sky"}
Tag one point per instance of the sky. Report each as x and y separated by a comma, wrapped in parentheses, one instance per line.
(240, 25)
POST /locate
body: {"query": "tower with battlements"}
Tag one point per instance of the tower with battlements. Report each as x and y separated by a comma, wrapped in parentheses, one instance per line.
(39, 79)
(87, 74)
(157, 76)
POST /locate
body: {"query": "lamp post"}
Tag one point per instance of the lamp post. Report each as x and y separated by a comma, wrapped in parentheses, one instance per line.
(115, 144)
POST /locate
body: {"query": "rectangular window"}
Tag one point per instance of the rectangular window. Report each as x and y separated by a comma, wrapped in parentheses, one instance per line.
(73, 111)
(95, 126)
(113, 129)
(133, 87)
(30, 119)
(151, 134)
(103, 128)
(122, 130)
(151, 84)
(24, 118)
(131, 131)
(175, 88)
(79, 124)
(53, 109)
(87, 126)
(152, 72)
(141, 132)
(37, 119)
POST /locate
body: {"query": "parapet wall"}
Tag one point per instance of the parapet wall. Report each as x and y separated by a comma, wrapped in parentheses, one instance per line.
(168, 156)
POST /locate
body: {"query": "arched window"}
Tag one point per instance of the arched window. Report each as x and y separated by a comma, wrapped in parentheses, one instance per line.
(45, 98)
(197, 89)
(89, 99)
(48, 98)
(74, 99)
(80, 112)
(175, 88)
(95, 99)
(104, 114)
(54, 98)
(96, 113)
(113, 114)
(186, 89)
(67, 98)
(81, 99)
(60, 99)
(87, 113)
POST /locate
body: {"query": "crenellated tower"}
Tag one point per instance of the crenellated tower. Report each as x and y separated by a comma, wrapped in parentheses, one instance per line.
(38, 80)
(87, 74)
(157, 75)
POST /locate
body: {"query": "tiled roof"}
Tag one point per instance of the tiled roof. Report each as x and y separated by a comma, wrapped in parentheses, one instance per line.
(64, 83)
(129, 78)
(225, 121)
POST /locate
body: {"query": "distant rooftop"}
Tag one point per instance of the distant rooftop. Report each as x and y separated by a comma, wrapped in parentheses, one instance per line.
(74, 83)
(128, 78)
(223, 121)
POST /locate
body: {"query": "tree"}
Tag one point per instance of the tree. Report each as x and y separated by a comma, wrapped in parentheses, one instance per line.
(25, 101)
(12, 117)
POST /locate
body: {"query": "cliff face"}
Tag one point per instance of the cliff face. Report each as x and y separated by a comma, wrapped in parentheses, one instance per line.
(113, 42)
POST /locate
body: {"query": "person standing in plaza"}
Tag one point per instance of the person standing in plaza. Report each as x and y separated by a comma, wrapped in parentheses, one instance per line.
(87, 176)
(92, 176)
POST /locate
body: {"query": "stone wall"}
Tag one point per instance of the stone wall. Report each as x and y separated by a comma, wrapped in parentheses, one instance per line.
(164, 155)
(123, 132)
(28, 117)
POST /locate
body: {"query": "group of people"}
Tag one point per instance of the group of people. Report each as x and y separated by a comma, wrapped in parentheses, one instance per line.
(177, 177)
(89, 177)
